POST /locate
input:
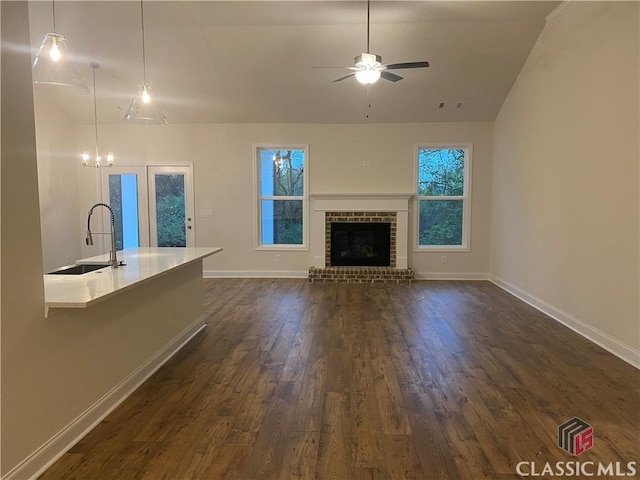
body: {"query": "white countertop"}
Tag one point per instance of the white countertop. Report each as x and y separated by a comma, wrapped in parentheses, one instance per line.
(142, 264)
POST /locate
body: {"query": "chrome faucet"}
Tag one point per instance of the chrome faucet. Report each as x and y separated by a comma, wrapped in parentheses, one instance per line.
(113, 259)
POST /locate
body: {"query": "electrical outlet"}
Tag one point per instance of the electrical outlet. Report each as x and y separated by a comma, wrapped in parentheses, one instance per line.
(206, 213)
(278, 258)
(444, 259)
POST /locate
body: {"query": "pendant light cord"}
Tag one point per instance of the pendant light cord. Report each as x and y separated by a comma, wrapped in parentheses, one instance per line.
(53, 8)
(144, 60)
(95, 104)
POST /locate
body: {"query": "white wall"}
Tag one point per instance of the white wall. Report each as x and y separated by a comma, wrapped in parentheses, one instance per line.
(223, 166)
(57, 183)
(22, 287)
(565, 175)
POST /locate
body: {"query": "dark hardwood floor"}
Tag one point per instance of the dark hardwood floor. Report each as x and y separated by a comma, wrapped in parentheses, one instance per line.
(434, 380)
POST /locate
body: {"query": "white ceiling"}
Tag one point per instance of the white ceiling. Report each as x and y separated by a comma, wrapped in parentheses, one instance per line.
(251, 61)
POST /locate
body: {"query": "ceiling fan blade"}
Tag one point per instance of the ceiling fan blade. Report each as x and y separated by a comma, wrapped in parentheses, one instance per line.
(398, 66)
(343, 68)
(343, 78)
(392, 77)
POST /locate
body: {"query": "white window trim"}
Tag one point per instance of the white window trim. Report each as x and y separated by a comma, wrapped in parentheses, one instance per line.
(466, 199)
(257, 217)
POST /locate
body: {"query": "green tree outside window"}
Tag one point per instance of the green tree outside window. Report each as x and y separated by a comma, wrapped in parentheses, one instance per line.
(170, 211)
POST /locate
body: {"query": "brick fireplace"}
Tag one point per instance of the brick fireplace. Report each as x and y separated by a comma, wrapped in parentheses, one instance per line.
(360, 210)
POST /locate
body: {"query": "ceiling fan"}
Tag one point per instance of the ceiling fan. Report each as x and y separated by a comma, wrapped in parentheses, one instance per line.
(369, 68)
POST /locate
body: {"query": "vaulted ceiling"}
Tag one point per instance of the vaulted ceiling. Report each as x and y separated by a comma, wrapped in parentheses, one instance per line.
(251, 61)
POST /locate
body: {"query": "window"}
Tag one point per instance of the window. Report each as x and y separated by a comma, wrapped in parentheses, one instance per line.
(443, 197)
(282, 196)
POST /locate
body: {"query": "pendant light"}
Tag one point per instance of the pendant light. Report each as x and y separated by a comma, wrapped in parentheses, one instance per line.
(53, 69)
(86, 156)
(143, 107)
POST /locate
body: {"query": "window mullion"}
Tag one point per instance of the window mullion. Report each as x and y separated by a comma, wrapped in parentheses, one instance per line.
(268, 197)
(452, 197)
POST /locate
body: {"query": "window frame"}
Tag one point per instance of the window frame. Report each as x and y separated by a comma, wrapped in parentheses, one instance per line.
(258, 198)
(465, 197)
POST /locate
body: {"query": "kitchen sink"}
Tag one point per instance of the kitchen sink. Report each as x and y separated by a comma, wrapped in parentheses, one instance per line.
(79, 269)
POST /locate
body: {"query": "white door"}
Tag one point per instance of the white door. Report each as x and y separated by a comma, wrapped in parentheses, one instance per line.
(171, 206)
(152, 205)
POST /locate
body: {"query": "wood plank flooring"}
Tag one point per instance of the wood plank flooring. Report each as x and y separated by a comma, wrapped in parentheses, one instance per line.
(433, 380)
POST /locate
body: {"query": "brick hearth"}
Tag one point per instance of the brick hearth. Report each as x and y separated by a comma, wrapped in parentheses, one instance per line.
(361, 275)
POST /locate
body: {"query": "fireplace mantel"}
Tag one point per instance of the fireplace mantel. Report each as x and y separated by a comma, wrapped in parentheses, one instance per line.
(359, 202)
(363, 202)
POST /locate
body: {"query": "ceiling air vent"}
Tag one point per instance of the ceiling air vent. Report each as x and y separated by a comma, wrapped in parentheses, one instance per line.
(451, 105)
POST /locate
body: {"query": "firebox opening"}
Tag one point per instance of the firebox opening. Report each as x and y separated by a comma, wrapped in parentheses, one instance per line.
(360, 244)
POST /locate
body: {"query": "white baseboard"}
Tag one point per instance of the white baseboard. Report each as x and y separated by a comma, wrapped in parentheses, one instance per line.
(256, 274)
(451, 276)
(606, 341)
(36, 463)
(305, 274)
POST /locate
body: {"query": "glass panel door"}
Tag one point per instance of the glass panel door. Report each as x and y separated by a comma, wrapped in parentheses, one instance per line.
(125, 191)
(171, 206)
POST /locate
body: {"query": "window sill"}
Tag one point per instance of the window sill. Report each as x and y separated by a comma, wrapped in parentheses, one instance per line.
(442, 248)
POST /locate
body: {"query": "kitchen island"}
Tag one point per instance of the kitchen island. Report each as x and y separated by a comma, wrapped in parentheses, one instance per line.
(141, 265)
(107, 331)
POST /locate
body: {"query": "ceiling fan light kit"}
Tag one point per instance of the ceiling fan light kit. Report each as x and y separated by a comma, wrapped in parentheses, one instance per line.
(368, 66)
(367, 77)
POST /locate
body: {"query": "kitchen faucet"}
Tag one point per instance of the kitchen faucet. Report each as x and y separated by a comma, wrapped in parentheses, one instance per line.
(113, 259)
